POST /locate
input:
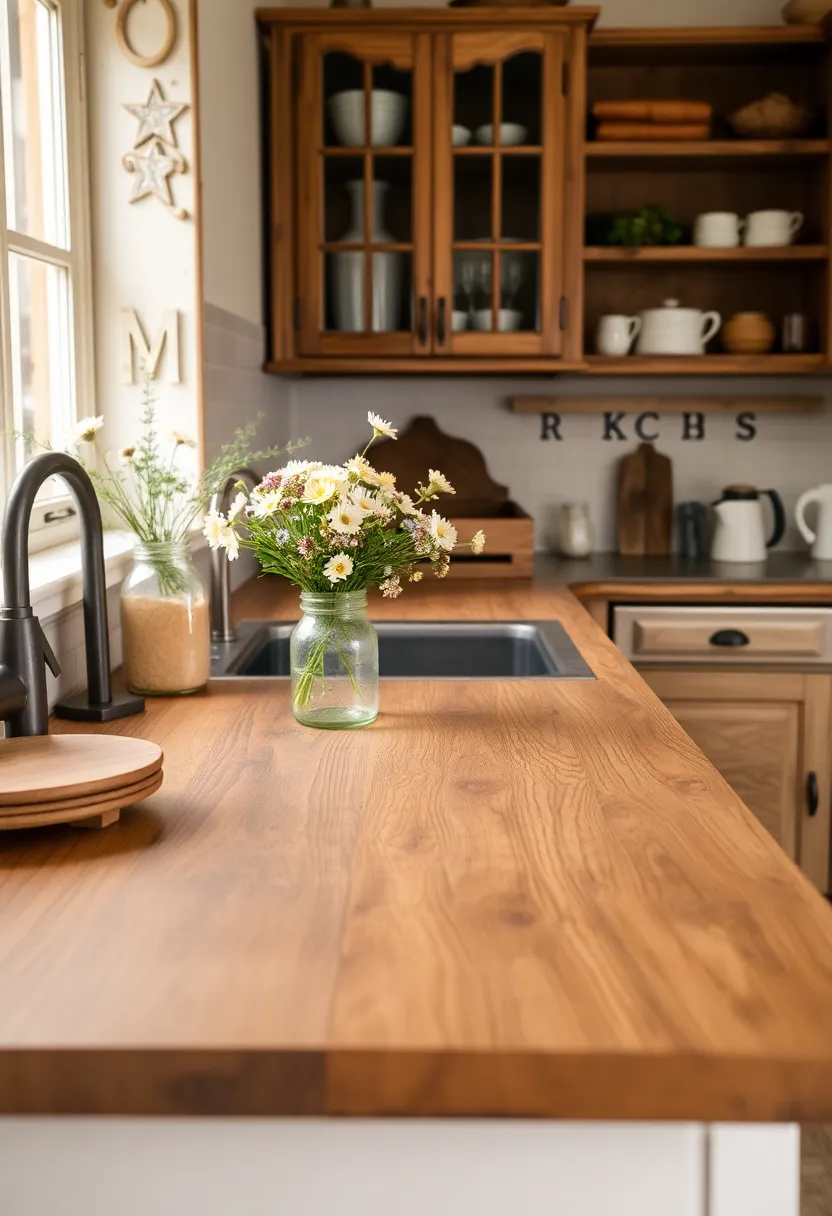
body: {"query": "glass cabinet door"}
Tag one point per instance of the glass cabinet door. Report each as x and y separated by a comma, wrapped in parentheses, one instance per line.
(499, 131)
(363, 128)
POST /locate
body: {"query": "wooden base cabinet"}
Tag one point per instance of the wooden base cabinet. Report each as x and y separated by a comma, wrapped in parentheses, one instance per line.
(768, 733)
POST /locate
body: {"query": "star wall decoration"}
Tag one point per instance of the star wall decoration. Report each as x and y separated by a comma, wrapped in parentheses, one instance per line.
(156, 117)
(155, 166)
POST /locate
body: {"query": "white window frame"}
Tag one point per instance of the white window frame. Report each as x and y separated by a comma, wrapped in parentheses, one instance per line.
(50, 523)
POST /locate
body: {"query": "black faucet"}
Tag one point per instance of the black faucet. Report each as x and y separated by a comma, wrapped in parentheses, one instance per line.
(24, 650)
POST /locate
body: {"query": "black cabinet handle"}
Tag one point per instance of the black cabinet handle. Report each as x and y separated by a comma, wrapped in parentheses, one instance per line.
(422, 328)
(729, 637)
(440, 320)
(812, 794)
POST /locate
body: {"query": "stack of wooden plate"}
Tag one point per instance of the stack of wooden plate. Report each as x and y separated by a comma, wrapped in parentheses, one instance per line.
(81, 779)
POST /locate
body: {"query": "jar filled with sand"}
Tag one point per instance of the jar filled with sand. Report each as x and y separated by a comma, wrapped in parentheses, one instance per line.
(164, 622)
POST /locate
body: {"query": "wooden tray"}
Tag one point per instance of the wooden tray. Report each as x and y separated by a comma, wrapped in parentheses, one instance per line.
(480, 503)
(47, 768)
(96, 814)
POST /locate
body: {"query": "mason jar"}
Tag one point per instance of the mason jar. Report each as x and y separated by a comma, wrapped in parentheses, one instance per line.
(334, 661)
(164, 621)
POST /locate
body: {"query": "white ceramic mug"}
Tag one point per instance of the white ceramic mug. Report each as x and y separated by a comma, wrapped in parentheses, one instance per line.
(616, 334)
(772, 227)
(821, 538)
(717, 229)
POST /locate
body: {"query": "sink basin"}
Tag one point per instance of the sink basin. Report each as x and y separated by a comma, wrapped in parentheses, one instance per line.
(422, 650)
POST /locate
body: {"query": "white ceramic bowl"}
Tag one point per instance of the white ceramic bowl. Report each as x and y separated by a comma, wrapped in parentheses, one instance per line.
(511, 134)
(388, 114)
(460, 136)
(508, 320)
(459, 320)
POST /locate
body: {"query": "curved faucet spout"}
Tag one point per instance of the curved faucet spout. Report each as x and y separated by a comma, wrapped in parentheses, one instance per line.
(23, 646)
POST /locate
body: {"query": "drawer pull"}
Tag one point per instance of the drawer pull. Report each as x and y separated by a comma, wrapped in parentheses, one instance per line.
(729, 637)
(812, 794)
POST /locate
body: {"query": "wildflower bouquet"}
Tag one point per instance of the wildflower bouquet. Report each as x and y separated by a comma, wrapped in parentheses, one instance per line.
(339, 528)
(148, 490)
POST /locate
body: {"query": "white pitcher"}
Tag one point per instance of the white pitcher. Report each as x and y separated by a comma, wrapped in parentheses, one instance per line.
(821, 538)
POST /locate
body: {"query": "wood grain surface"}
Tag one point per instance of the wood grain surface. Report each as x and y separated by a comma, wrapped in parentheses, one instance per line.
(100, 812)
(48, 767)
(521, 898)
(645, 503)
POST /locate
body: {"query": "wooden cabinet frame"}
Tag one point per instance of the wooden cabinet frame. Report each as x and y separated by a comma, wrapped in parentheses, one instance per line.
(294, 41)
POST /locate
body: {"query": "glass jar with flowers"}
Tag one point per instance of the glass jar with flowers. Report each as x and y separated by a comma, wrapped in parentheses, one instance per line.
(334, 531)
(164, 604)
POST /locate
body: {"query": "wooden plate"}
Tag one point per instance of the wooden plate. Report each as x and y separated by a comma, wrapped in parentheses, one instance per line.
(50, 768)
(123, 793)
(98, 815)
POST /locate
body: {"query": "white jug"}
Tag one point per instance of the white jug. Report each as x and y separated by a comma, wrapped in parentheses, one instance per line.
(821, 538)
(739, 535)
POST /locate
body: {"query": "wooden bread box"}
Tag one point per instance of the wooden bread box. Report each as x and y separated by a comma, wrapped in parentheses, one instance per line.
(480, 504)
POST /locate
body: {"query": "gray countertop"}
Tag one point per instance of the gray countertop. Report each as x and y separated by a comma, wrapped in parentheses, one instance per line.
(781, 567)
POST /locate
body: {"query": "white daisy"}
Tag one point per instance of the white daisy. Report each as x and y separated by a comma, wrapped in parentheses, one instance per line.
(380, 427)
(127, 453)
(265, 502)
(478, 542)
(84, 430)
(384, 481)
(405, 504)
(365, 501)
(214, 524)
(236, 507)
(346, 517)
(294, 467)
(358, 466)
(182, 441)
(438, 481)
(320, 489)
(336, 472)
(442, 532)
(338, 567)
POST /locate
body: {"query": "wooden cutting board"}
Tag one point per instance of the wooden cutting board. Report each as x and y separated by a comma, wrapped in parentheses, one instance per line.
(50, 767)
(652, 111)
(645, 503)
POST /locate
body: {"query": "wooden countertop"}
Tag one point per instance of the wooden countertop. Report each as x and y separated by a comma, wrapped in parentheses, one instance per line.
(502, 898)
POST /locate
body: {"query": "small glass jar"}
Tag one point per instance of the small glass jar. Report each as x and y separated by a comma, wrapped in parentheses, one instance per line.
(164, 622)
(334, 661)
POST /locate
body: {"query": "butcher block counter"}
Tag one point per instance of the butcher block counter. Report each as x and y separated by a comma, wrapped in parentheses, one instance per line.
(527, 898)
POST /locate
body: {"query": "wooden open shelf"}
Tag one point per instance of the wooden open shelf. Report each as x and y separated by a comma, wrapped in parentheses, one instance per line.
(696, 253)
(705, 365)
(707, 148)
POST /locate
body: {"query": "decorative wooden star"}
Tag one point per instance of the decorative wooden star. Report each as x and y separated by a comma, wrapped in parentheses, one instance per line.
(156, 117)
(154, 167)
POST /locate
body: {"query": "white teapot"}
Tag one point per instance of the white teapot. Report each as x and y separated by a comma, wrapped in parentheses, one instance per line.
(671, 330)
(739, 534)
(821, 538)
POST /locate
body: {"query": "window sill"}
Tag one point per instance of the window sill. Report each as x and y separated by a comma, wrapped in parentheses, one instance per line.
(55, 574)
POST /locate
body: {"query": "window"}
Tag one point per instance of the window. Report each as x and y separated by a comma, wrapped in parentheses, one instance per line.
(45, 277)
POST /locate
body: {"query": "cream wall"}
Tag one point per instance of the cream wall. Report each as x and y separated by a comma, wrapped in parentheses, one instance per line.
(143, 258)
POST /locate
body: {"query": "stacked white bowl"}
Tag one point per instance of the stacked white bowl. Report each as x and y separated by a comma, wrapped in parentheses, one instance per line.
(388, 114)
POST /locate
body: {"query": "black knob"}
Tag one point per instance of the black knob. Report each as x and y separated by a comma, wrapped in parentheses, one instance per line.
(812, 794)
(729, 637)
(440, 321)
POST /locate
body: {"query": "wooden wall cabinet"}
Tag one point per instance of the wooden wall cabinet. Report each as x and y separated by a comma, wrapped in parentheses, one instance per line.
(413, 251)
(768, 733)
(435, 244)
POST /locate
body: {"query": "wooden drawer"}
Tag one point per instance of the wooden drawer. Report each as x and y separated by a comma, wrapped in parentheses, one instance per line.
(724, 635)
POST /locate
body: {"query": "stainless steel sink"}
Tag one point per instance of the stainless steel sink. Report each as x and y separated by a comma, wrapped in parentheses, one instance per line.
(422, 650)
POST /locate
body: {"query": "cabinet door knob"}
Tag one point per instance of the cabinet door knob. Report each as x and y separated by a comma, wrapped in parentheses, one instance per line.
(812, 794)
(729, 637)
(440, 321)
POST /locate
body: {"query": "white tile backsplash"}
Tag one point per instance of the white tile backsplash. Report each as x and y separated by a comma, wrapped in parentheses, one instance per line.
(789, 453)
